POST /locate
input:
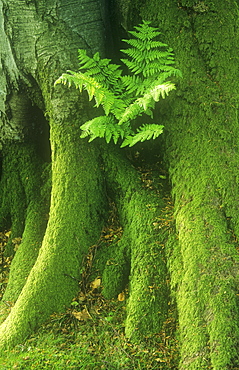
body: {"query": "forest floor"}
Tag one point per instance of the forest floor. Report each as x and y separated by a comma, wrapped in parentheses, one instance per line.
(91, 341)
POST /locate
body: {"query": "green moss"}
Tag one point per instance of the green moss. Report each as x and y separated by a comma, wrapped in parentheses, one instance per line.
(28, 210)
(20, 184)
(139, 210)
(115, 275)
(201, 133)
(148, 301)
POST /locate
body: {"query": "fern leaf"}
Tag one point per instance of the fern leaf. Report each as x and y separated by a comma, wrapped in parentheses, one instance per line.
(95, 127)
(145, 31)
(141, 45)
(145, 132)
(131, 112)
(102, 70)
(102, 126)
(85, 61)
(147, 101)
(103, 96)
(115, 132)
(161, 90)
(132, 83)
(133, 67)
(134, 53)
(80, 81)
(147, 57)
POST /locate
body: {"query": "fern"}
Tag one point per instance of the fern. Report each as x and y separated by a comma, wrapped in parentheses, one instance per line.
(102, 95)
(146, 57)
(145, 132)
(102, 70)
(124, 98)
(146, 103)
(103, 126)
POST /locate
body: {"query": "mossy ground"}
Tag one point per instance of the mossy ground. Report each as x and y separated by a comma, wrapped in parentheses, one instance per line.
(95, 342)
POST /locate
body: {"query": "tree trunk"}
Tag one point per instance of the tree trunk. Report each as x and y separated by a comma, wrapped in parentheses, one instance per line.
(200, 147)
(201, 132)
(77, 198)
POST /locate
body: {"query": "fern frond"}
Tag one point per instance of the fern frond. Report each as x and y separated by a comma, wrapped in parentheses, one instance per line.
(145, 31)
(102, 127)
(136, 68)
(145, 132)
(138, 85)
(131, 112)
(142, 45)
(81, 81)
(147, 57)
(124, 98)
(147, 102)
(103, 96)
(132, 83)
(150, 63)
(95, 127)
(133, 53)
(161, 90)
(102, 70)
(154, 69)
(169, 71)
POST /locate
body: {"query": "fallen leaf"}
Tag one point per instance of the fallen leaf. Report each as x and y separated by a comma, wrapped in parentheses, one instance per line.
(82, 297)
(95, 284)
(160, 360)
(121, 297)
(16, 240)
(8, 233)
(81, 316)
(16, 246)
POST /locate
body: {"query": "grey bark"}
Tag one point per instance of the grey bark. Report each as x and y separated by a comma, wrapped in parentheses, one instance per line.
(34, 36)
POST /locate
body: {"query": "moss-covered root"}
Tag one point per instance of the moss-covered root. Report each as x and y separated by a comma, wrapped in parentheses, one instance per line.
(116, 267)
(148, 300)
(20, 184)
(138, 209)
(28, 210)
(205, 269)
(27, 252)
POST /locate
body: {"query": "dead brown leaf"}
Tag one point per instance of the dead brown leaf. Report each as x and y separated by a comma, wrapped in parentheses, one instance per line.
(82, 315)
